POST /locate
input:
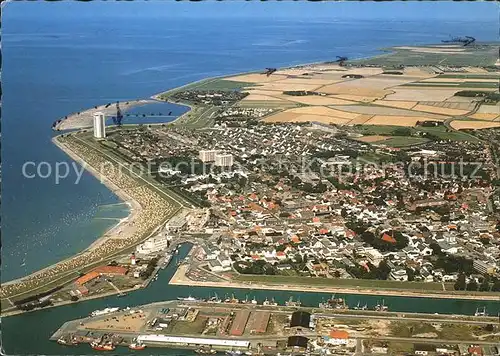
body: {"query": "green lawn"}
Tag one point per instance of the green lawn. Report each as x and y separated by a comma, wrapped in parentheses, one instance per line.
(441, 132)
(402, 141)
(329, 282)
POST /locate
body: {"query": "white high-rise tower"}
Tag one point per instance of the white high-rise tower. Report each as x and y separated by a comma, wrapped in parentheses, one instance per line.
(99, 125)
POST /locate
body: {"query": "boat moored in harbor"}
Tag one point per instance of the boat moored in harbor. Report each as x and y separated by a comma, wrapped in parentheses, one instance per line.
(189, 299)
(136, 346)
(334, 303)
(108, 346)
(293, 303)
(104, 311)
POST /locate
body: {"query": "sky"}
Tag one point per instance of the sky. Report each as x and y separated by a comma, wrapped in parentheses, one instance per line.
(296, 10)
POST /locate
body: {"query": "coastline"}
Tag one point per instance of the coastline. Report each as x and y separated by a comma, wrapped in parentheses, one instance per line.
(141, 224)
(83, 119)
(135, 208)
(179, 278)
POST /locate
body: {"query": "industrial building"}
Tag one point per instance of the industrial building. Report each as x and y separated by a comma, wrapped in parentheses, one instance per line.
(239, 322)
(258, 322)
(224, 160)
(300, 320)
(297, 342)
(192, 341)
(99, 271)
(99, 125)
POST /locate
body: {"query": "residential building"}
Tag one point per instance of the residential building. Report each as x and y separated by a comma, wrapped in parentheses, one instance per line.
(224, 160)
(99, 125)
(483, 267)
(207, 155)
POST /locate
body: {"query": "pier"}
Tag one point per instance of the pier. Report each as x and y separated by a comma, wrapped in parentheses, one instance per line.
(217, 326)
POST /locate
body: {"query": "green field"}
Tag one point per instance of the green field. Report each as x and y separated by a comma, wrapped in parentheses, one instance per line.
(198, 117)
(478, 56)
(212, 84)
(221, 84)
(402, 141)
(478, 84)
(399, 141)
(469, 76)
(342, 283)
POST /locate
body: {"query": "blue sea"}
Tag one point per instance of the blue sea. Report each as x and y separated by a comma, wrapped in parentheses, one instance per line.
(63, 57)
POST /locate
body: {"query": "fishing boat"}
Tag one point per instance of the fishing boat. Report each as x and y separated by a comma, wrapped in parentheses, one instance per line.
(231, 300)
(214, 299)
(136, 346)
(108, 346)
(233, 353)
(205, 351)
(334, 303)
(67, 342)
(166, 262)
(381, 307)
(481, 312)
(359, 307)
(292, 303)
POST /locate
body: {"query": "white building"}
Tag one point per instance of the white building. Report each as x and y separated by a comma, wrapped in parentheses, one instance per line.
(224, 160)
(374, 256)
(152, 245)
(99, 125)
(207, 155)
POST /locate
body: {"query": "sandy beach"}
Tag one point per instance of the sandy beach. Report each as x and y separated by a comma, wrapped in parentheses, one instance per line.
(149, 212)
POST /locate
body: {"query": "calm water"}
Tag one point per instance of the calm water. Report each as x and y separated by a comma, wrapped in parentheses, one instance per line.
(55, 63)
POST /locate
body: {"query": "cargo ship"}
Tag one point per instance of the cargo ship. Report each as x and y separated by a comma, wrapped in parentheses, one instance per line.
(104, 311)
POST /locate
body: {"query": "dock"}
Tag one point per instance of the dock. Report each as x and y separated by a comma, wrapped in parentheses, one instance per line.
(258, 329)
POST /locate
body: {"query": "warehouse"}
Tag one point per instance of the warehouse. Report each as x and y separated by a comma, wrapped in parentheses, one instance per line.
(297, 342)
(192, 341)
(258, 322)
(239, 323)
(300, 319)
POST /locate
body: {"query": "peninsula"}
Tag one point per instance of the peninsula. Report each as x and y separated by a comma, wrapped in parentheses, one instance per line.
(338, 176)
